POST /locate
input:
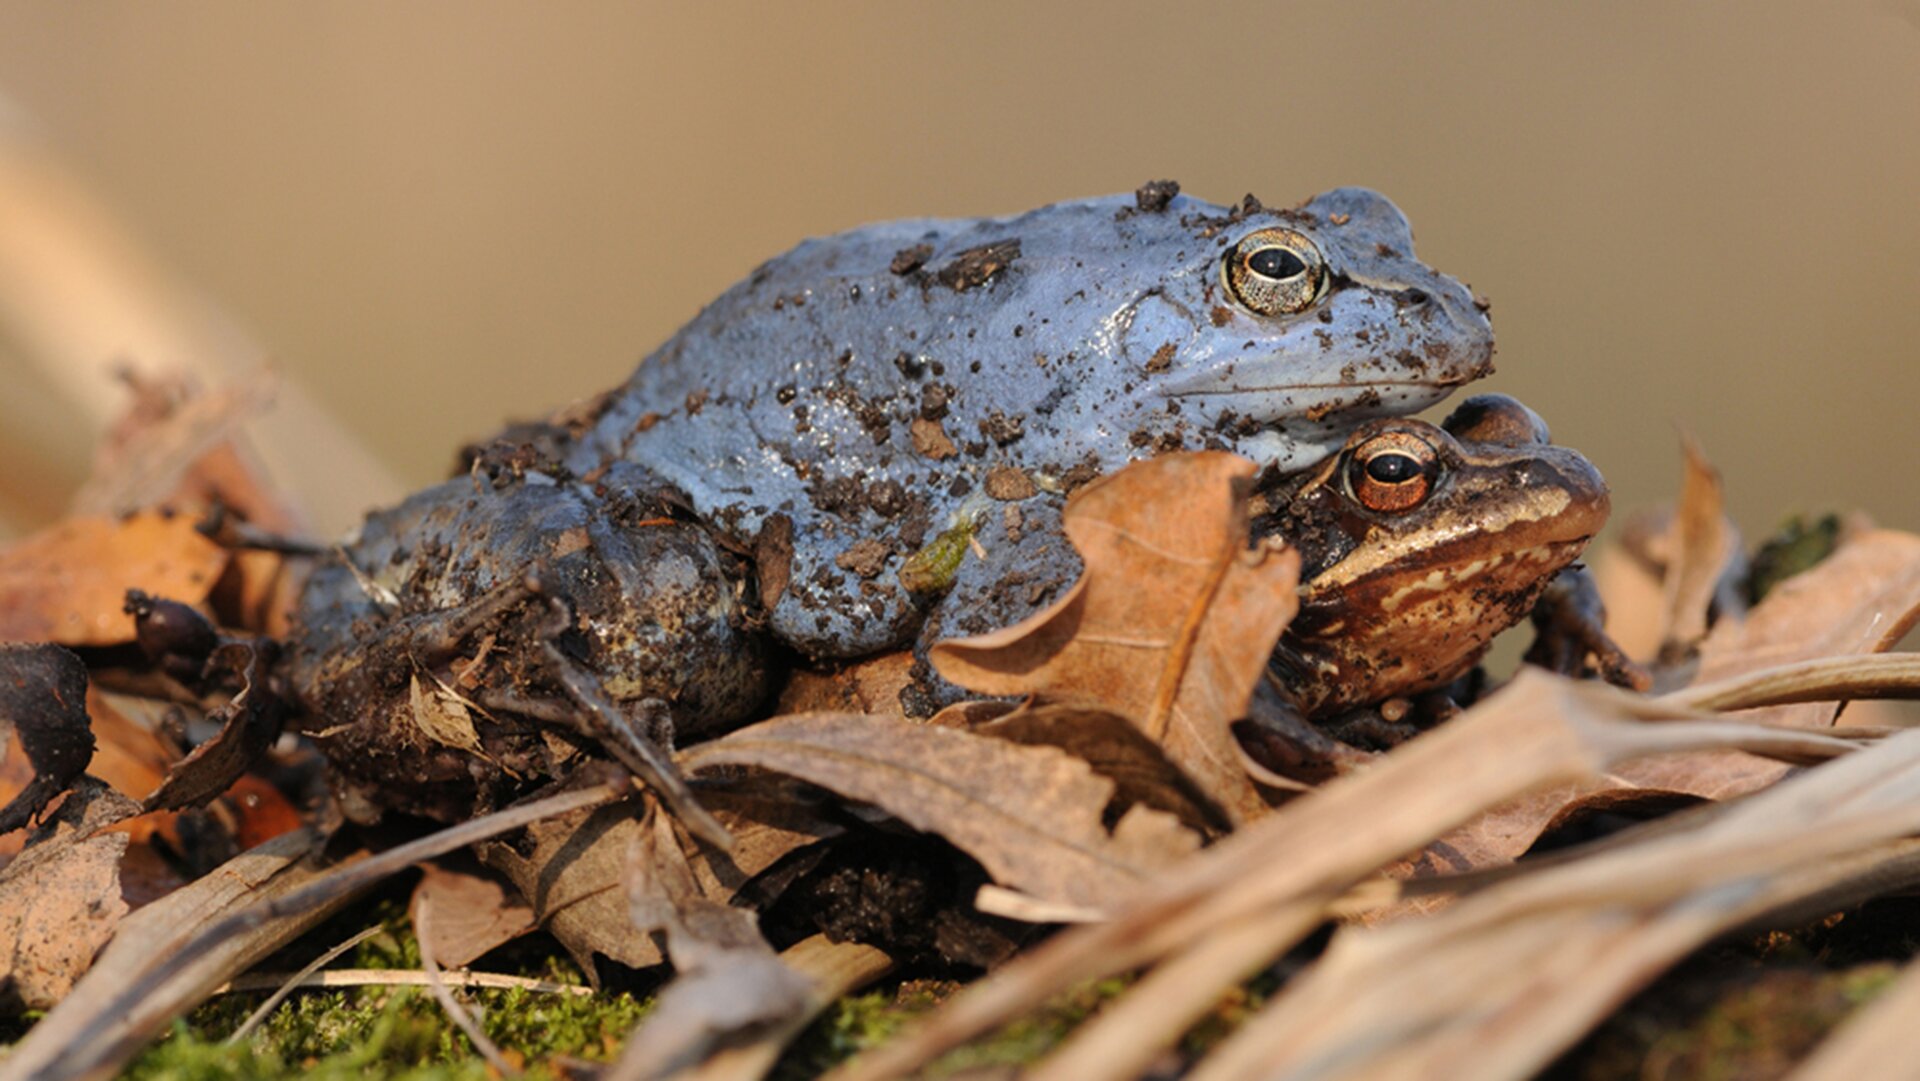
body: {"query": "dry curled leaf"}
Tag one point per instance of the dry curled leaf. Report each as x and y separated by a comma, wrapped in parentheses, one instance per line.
(1859, 600)
(179, 445)
(249, 723)
(1032, 816)
(69, 584)
(1170, 625)
(1117, 751)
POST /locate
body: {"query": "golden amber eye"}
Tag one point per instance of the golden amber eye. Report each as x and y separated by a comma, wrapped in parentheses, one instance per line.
(1274, 271)
(1392, 472)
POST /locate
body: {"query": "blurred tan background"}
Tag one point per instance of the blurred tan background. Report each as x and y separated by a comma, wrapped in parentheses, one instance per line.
(434, 216)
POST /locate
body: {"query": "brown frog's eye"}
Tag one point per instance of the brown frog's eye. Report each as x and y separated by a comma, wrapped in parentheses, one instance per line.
(1392, 472)
(1274, 271)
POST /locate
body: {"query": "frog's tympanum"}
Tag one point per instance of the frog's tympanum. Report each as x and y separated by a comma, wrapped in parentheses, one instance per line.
(1419, 544)
(884, 424)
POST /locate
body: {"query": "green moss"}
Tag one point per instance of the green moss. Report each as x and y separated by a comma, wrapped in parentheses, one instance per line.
(1764, 1028)
(358, 1034)
(1716, 1019)
(859, 1022)
(394, 1033)
(1799, 544)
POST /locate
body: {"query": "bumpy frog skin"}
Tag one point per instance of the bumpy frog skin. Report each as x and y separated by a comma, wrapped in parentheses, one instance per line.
(872, 395)
(1419, 544)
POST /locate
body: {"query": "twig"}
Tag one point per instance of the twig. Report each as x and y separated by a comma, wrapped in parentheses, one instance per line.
(274, 1000)
(1824, 679)
(423, 930)
(400, 977)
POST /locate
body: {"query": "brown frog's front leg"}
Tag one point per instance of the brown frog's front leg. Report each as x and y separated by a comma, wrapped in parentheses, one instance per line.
(1385, 725)
(1569, 622)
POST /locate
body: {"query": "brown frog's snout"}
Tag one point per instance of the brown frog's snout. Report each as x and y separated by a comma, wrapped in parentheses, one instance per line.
(1560, 473)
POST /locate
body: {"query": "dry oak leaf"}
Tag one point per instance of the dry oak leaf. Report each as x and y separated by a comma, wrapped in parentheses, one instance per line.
(69, 584)
(1171, 624)
(1032, 816)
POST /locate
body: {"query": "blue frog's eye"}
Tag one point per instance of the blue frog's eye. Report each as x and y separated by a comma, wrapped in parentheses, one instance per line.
(1274, 271)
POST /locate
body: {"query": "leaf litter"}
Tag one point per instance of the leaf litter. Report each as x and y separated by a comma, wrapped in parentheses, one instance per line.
(1114, 791)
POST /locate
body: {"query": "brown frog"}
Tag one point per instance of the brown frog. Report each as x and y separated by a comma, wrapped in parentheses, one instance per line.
(1420, 544)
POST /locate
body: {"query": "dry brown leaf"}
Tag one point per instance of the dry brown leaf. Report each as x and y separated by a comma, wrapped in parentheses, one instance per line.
(1860, 600)
(173, 953)
(69, 584)
(475, 910)
(570, 868)
(1701, 541)
(60, 898)
(259, 592)
(128, 755)
(1032, 816)
(91, 1032)
(970, 713)
(1117, 751)
(133, 761)
(1170, 626)
(1631, 592)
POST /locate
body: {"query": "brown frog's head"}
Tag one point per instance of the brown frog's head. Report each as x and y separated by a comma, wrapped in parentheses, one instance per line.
(1420, 544)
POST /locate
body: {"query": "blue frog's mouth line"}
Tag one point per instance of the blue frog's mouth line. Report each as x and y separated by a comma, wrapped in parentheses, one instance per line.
(1268, 388)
